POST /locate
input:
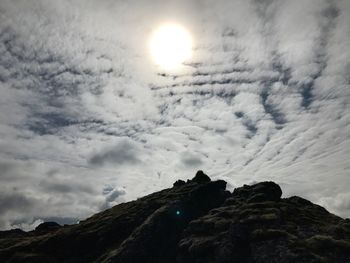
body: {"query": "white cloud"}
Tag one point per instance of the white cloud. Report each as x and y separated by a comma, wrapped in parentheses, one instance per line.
(339, 204)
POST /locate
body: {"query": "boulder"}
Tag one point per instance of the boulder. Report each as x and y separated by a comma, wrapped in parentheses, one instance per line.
(47, 227)
(260, 192)
(201, 178)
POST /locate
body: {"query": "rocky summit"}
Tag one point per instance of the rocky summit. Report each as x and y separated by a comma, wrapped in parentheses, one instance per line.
(197, 221)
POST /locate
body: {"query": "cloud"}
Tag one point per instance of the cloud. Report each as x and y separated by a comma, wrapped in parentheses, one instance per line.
(191, 160)
(14, 200)
(125, 152)
(265, 97)
(339, 204)
(27, 226)
(112, 197)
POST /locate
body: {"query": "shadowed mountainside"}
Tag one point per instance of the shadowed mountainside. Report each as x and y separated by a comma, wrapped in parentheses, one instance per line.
(197, 221)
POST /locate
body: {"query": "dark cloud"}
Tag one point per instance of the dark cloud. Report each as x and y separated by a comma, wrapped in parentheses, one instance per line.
(125, 152)
(277, 116)
(191, 160)
(15, 201)
(112, 195)
(63, 187)
(6, 168)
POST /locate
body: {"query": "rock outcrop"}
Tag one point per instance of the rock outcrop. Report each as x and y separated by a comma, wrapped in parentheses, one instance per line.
(197, 221)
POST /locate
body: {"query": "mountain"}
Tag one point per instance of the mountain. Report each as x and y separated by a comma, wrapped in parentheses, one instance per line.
(197, 221)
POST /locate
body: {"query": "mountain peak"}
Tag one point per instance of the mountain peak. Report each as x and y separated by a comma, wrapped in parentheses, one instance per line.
(194, 221)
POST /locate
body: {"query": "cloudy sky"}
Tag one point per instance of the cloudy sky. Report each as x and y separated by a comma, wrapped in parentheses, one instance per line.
(87, 120)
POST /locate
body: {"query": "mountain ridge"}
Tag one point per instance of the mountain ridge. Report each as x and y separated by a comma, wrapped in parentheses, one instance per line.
(196, 221)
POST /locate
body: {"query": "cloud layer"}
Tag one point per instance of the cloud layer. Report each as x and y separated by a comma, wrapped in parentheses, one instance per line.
(87, 121)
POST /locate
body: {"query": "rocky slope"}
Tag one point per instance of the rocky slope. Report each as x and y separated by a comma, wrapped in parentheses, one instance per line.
(197, 221)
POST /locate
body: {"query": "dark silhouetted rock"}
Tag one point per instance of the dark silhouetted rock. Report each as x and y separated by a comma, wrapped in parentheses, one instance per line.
(194, 222)
(179, 183)
(47, 227)
(201, 178)
(13, 233)
(264, 191)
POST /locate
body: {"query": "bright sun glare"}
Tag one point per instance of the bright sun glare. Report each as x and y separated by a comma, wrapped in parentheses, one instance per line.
(170, 46)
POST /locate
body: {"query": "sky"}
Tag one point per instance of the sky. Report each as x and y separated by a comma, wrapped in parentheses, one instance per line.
(88, 120)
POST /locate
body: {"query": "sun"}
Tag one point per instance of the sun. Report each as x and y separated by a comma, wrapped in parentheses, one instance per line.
(170, 46)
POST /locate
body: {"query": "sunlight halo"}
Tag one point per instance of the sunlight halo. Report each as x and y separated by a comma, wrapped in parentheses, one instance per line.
(170, 46)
